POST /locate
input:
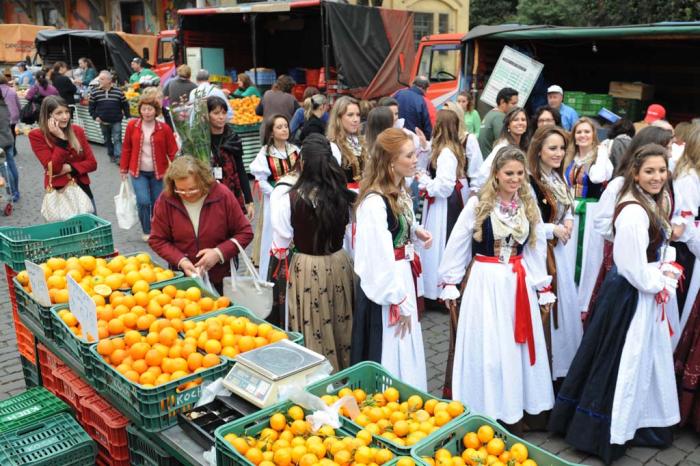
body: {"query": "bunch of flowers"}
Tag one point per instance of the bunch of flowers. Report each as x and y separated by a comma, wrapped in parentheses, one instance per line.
(191, 121)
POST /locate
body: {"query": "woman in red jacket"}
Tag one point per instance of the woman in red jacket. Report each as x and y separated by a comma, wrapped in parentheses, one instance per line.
(195, 220)
(149, 147)
(63, 146)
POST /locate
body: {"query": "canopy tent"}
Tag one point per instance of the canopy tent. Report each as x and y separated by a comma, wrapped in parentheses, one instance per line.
(105, 49)
(523, 32)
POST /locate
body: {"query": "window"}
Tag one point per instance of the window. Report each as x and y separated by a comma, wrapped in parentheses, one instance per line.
(440, 62)
(443, 23)
(165, 51)
(422, 26)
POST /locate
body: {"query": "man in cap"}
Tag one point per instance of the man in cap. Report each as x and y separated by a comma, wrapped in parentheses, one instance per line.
(140, 72)
(555, 99)
(655, 112)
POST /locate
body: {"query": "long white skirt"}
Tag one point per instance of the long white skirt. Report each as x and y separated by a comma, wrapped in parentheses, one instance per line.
(492, 373)
(266, 238)
(645, 393)
(693, 288)
(565, 339)
(592, 256)
(435, 221)
(405, 357)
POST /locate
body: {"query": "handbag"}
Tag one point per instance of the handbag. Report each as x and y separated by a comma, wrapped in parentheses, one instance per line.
(248, 290)
(61, 204)
(125, 206)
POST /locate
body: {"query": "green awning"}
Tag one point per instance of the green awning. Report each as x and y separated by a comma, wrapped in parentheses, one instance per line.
(670, 30)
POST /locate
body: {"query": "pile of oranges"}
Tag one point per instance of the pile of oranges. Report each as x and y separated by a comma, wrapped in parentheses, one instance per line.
(230, 335)
(483, 447)
(156, 358)
(120, 312)
(403, 423)
(244, 110)
(288, 440)
(96, 275)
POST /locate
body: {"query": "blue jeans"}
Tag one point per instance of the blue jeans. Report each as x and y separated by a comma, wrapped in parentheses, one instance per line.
(12, 167)
(147, 189)
(112, 134)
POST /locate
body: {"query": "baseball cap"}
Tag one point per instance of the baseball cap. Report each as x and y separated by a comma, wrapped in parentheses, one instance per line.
(555, 88)
(655, 112)
(136, 60)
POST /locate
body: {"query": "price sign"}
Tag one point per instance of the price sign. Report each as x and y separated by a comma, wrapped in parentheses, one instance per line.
(83, 308)
(515, 70)
(40, 290)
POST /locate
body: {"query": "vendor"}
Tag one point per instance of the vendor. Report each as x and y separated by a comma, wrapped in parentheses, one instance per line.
(245, 87)
(140, 72)
(195, 220)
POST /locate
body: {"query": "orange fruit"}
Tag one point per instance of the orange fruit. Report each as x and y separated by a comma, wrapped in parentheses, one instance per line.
(147, 378)
(114, 280)
(170, 290)
(144, 322)
(495, 447)
(405, 461)
(191, 310)
(147, 274)
(115, 327)
(210, 360)
(519, 452)
(276, 335)
(138, 350)
(105, 347)
(193, 293)
(529, 462)
(442, 418)
(61, 296)
(132, 337)
(485, 433)
(88, 263)
(455, 408)
(154, 309)
(471, 440)
(129, 319)
(206, 304)
(167, 336)
(56, 263)
(119, 343)
(260, 342)
(251, 329)
(222, 302)
(194, 361)
(179, 364)
(140, 366)
(139, 285)
(117, 355)
(391, 394)
(132, 375)
(246, 343)
(212, 346)
(278, 422)
(254, 455)
(153, 358)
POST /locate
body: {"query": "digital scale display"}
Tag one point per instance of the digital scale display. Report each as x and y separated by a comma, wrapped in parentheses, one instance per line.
(249, 382)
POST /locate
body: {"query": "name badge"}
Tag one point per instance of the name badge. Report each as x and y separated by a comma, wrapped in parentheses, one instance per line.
(409, 252)
(504, 256)
(218, 173)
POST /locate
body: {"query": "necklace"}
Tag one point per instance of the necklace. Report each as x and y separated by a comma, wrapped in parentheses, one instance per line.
(508, 208)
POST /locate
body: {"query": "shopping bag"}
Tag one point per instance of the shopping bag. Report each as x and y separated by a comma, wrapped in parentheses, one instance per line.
(125, 206)
(249, 290)
(61, 204)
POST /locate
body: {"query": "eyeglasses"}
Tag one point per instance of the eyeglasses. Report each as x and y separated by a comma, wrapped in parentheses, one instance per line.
(187, 193)
(545, 120)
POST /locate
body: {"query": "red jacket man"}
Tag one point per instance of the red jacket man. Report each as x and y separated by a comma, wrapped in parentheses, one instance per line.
(173, 236)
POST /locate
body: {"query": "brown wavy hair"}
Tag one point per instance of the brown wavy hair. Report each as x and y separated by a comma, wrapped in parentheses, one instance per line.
(573, 148)
(184, 166)
(446, 136)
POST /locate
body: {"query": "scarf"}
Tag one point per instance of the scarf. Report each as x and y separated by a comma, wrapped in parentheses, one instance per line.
(510, 220)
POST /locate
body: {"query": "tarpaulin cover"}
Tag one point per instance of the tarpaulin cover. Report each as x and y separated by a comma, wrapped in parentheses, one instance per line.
(17, 41)
(71, 42)
(360, 43)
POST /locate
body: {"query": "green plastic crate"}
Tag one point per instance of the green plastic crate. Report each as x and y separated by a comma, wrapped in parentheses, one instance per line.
(373, 378)
(252, 425)
(152, 409)
(32, 377)
(144, 451)
(68, 342)
(252, 128)
(451, 439)
(80, 235)
(28, 407)
(594, 102)
(630, 109)
(574, 98)
(56, 440)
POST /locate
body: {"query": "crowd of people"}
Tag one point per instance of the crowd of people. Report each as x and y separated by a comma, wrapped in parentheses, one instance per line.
(558, 256)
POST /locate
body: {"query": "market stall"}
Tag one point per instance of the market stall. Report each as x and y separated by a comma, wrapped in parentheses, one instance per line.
(142, 366)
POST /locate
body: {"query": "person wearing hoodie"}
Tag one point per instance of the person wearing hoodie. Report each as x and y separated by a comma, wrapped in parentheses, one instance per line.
(41, 88)
(9, 95)
(227, 155)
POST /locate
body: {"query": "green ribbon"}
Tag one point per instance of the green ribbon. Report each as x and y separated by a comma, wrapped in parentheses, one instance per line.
(580, 210)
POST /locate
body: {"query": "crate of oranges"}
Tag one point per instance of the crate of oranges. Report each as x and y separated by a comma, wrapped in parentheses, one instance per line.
(234, 330)
(119, 312)
(153, 375)
(244, 117)
(281, 436)
(94, 274)
(393, 412)
(478, 440)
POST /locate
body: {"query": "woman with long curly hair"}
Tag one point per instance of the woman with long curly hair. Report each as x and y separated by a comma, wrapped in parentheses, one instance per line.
(343, 131)
(500, 364)
(385, 325)
(562, 324)
(442, 189)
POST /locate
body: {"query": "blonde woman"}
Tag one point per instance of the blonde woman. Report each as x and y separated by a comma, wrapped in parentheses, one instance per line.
(343, 131)
(588, 169)
(500, 365)
(385, 324)
(442, 189)
(469, 141)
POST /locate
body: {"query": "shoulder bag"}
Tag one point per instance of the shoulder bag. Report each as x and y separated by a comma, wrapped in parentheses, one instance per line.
(61, 204)
(248, 290)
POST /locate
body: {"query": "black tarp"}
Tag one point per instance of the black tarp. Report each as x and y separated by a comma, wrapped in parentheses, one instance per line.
(105, 49)
(360, 43)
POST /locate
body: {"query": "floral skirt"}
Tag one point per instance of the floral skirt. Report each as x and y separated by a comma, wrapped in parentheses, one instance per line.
(320, 302)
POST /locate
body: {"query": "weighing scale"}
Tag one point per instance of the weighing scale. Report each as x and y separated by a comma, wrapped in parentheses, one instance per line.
(261, 376)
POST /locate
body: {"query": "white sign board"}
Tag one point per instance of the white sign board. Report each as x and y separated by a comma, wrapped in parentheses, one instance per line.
(513, 69)
(37, 279)
(83, 308)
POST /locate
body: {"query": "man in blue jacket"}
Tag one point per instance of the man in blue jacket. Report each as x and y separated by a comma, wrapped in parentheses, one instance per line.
(555, 99)
(413, 108)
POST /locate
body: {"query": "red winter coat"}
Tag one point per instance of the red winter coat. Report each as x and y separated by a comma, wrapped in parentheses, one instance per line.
(172, 233)
(163, 148)
(59, 152)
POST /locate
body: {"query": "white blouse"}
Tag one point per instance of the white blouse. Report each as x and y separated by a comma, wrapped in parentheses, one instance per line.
(445, 176)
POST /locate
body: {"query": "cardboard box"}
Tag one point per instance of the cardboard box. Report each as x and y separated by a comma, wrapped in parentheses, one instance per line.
(637, 90)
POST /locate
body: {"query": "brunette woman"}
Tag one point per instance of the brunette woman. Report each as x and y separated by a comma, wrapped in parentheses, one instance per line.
(513, 133)
(472, 120)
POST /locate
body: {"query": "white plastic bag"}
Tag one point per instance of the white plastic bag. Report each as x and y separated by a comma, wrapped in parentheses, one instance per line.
(125, 206)
(321, 413)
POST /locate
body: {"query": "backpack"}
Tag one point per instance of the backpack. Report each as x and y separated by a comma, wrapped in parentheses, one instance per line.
(29, 114)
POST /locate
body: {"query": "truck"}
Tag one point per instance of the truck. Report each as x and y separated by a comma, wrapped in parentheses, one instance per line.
(585, 59)
(348, 49)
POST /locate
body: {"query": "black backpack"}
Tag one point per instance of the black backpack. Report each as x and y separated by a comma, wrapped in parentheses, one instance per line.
(29, 114)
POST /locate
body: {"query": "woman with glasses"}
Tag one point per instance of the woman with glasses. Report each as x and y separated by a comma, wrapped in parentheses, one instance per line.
(195, 220)
(545, 116)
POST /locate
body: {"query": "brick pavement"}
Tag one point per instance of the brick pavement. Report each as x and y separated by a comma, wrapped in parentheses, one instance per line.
(685, 449)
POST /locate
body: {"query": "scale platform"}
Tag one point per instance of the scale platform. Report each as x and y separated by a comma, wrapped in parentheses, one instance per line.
(259, 374)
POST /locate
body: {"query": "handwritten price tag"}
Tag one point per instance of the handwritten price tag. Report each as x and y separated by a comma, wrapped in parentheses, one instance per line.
(83, 308)
(40, 290)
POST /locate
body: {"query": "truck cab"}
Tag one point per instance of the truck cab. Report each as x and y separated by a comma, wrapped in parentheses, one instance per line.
(439, 58)
(164, 62)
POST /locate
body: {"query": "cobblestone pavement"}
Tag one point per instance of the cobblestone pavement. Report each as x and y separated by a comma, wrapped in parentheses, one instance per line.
(105, 183)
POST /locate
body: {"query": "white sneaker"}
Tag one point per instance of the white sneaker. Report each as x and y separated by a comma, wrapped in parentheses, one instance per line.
(145, 238)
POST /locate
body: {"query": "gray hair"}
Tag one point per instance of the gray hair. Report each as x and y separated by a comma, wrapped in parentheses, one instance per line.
(202, 75)
(106, 73)
(422, 82)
